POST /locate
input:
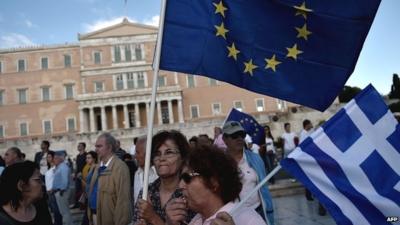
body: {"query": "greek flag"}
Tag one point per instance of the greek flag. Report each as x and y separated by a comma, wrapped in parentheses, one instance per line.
(352, 163)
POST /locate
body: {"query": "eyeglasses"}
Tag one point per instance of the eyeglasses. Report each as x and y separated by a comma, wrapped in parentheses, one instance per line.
(168, 154)
(238, 134)
(187, 177)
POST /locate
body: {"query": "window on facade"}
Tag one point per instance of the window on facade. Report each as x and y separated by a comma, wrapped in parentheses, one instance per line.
(161, 81)
(130, 80)
(280, 104)
(138, 52)
(45, 94)
(117, 54)
(21, 65)
(212, 82)
(23, 129)
(97, 58)
(98, 86)
(260, 105)
(194, 110)
(44, 63)
(47, 127)
(216, 108)
(119, 82)
(128, 53)
(164, 115)
(238, 105)
(190, 81)
(67, 61)
(1, 97)
(1, 131)
(141, 83)
(71, 124)
(22, 96)
(69, 91)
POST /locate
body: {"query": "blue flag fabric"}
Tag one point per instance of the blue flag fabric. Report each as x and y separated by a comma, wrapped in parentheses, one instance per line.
(351, 163)
(250, 125)
(300, 51)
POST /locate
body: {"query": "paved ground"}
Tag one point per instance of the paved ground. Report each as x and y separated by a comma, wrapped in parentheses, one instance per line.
(289, 210)
(296, 210)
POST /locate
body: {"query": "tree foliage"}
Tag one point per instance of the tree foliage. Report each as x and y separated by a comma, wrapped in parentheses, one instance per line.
(348, 93)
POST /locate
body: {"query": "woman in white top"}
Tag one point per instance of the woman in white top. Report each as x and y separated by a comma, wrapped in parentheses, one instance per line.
(210, 185)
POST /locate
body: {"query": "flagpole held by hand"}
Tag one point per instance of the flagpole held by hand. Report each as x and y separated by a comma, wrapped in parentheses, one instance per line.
(150, 119)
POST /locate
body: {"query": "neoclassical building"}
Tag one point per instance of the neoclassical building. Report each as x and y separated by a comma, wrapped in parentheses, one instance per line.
(103, 83)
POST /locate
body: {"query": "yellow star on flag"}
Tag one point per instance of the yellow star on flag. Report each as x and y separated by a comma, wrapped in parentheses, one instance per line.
(293, 52)
(249, 67)
(302, 10)
(220, 8)
(233, 51)
(221, 31)
(303, 32)
(272, 63)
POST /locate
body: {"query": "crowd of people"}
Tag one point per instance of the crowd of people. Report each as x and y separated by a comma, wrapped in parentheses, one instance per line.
(195, 181)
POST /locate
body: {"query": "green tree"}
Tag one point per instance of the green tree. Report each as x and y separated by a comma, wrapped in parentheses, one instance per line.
(348, 93)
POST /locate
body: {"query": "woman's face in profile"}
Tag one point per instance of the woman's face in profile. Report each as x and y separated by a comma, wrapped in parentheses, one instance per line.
(33, 189)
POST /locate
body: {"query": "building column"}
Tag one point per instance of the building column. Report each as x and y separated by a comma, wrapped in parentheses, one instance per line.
(103, 118)
(180, 111)
(176, 78)
(126, 117)
(170, 112)
(137, 115)
(114, 117)
(91, 119)
(159, 112)
(125, 80)
(82, 120)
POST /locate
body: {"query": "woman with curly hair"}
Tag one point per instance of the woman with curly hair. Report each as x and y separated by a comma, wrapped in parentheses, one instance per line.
(211, 185)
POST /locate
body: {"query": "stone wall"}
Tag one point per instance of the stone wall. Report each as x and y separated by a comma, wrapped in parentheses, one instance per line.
(68, 142)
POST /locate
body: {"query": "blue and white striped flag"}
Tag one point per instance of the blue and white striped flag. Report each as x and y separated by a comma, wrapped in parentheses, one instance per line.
(352, 163)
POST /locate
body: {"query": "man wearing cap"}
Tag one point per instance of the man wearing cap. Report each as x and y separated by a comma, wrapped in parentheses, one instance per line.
(110, 189)
(62, 174)
(252, 170)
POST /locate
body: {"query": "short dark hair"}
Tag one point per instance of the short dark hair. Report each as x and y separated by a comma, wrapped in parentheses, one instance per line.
(52, 153)
(46, 143)
(82, 143)
(212, 163)
(17, 151)
(127, 156)
(9, 179)
(286, 124)
(174, 135)
(306, 122)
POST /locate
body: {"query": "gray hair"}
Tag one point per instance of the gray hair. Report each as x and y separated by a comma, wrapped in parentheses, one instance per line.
(110, 140)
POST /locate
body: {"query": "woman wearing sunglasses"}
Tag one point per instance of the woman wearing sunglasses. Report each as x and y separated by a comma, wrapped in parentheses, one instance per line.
(20, 188)
(211, 185)
(168, 152)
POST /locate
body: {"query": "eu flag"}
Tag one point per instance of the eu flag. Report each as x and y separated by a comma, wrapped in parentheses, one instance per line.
(249, 124)
(300, 51)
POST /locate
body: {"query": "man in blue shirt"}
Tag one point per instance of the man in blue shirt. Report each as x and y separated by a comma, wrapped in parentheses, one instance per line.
(61, 189)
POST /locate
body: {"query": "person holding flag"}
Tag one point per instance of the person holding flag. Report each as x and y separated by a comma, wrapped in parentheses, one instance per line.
(252, 170)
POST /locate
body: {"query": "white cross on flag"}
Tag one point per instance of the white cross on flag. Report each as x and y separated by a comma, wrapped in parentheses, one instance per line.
(352, 163)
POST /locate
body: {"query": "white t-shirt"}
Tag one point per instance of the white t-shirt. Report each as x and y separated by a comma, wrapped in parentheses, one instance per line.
(269, 145)
(288, 144)
(249, 181)
(49, 178)
(132, 150)
(139, 178)
(243, 216)
(43, 164)
(304, 134)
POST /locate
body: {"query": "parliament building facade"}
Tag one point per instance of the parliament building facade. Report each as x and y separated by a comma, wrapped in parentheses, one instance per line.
(103, 83)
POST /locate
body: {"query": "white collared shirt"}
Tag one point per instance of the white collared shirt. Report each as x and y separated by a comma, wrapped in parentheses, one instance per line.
(107, 163)
(243, 216)
(139, 178)
(249, 181)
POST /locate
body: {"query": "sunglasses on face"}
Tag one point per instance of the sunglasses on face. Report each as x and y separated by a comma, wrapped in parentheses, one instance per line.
(237, 135)
(187, 177)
